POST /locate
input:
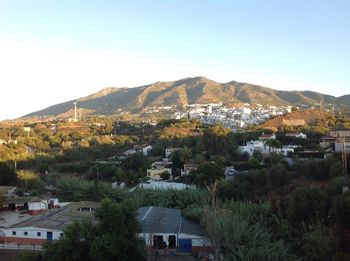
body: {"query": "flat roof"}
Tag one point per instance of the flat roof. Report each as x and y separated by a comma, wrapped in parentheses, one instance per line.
(61, 217)
(21, 200)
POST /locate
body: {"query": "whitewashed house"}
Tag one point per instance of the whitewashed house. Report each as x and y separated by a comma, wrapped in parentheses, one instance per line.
(170, 150)
(299, 135)
(48, 226)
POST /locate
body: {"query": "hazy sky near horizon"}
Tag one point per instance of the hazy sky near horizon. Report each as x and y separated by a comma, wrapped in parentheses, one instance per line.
(54, 51)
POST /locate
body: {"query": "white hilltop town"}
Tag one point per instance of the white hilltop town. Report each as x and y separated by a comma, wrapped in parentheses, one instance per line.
(238, 117)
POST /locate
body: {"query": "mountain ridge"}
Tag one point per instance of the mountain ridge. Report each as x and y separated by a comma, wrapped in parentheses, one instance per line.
(111, 100)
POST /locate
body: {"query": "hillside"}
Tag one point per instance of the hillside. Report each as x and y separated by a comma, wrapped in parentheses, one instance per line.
(297, 118)
(111, 100)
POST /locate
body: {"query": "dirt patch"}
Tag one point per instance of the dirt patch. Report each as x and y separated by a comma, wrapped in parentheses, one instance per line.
(9, 255)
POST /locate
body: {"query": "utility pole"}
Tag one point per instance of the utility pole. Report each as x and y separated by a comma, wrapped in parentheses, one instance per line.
(344, 162)
(75, 111)
(343, 157)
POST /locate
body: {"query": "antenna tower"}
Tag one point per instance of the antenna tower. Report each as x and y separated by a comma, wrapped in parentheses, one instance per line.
(75, 111)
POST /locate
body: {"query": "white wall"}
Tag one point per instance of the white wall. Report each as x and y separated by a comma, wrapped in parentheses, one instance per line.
(339, 147)
(149, 237)
(197, 241)
(32, 233)
(37, 205)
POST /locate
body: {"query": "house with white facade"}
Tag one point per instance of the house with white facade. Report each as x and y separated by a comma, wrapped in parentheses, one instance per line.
(188, 167)
(166, 228)
(50, 225)
(260, 145)
(340, 137)
(158, 168)
(298, 135)
(251, 146)
(144, 149)
(170, 150)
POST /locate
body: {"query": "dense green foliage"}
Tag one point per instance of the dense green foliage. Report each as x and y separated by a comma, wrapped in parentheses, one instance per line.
(273, 209)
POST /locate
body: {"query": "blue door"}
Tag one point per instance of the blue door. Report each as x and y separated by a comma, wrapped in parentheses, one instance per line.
(185, 245)
(49, 236)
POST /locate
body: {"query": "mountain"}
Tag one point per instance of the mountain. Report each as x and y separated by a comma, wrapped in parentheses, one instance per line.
(186, 91)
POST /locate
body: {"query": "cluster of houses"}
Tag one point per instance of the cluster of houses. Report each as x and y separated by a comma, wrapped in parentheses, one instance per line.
(263, 146)
(162, 229)
(339, 138)
(44, 219)
(26, 204)
(239, 117)
(158, 168)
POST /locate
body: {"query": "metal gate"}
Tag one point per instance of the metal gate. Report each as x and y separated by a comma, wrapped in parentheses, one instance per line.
(185, 245)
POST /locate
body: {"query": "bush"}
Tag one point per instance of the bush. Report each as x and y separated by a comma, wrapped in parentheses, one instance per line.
(29, 180)
(306, 204)
(341, 210)
(7, 174)
(319, 242)
(239, 232)
(77, 189)
(278, 176)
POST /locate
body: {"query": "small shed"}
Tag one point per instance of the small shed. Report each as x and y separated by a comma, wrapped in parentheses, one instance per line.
(166, 228)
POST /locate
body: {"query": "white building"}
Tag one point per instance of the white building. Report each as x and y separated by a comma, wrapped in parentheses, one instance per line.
(165, 228)
(170, 150)
(50, 225)
(162, 185)
(299, 135)
(338, 146)
(252, 146)
(259, 145)
(146, 150)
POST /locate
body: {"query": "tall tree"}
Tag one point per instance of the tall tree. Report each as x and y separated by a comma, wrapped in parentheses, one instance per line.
(218, 140)
(207, 173)
(7, 174)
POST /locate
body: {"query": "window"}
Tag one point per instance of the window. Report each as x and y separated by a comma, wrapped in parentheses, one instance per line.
(25, 233)
(38, 234)
(13, 233)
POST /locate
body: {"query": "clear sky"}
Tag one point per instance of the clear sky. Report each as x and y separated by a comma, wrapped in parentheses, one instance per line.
(52, 51)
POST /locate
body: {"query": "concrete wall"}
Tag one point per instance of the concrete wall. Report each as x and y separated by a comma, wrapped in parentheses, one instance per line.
(339, 147)
(32, 236)
(37, 205)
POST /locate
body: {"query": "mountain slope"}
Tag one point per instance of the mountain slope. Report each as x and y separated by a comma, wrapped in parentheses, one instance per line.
(187, 91)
